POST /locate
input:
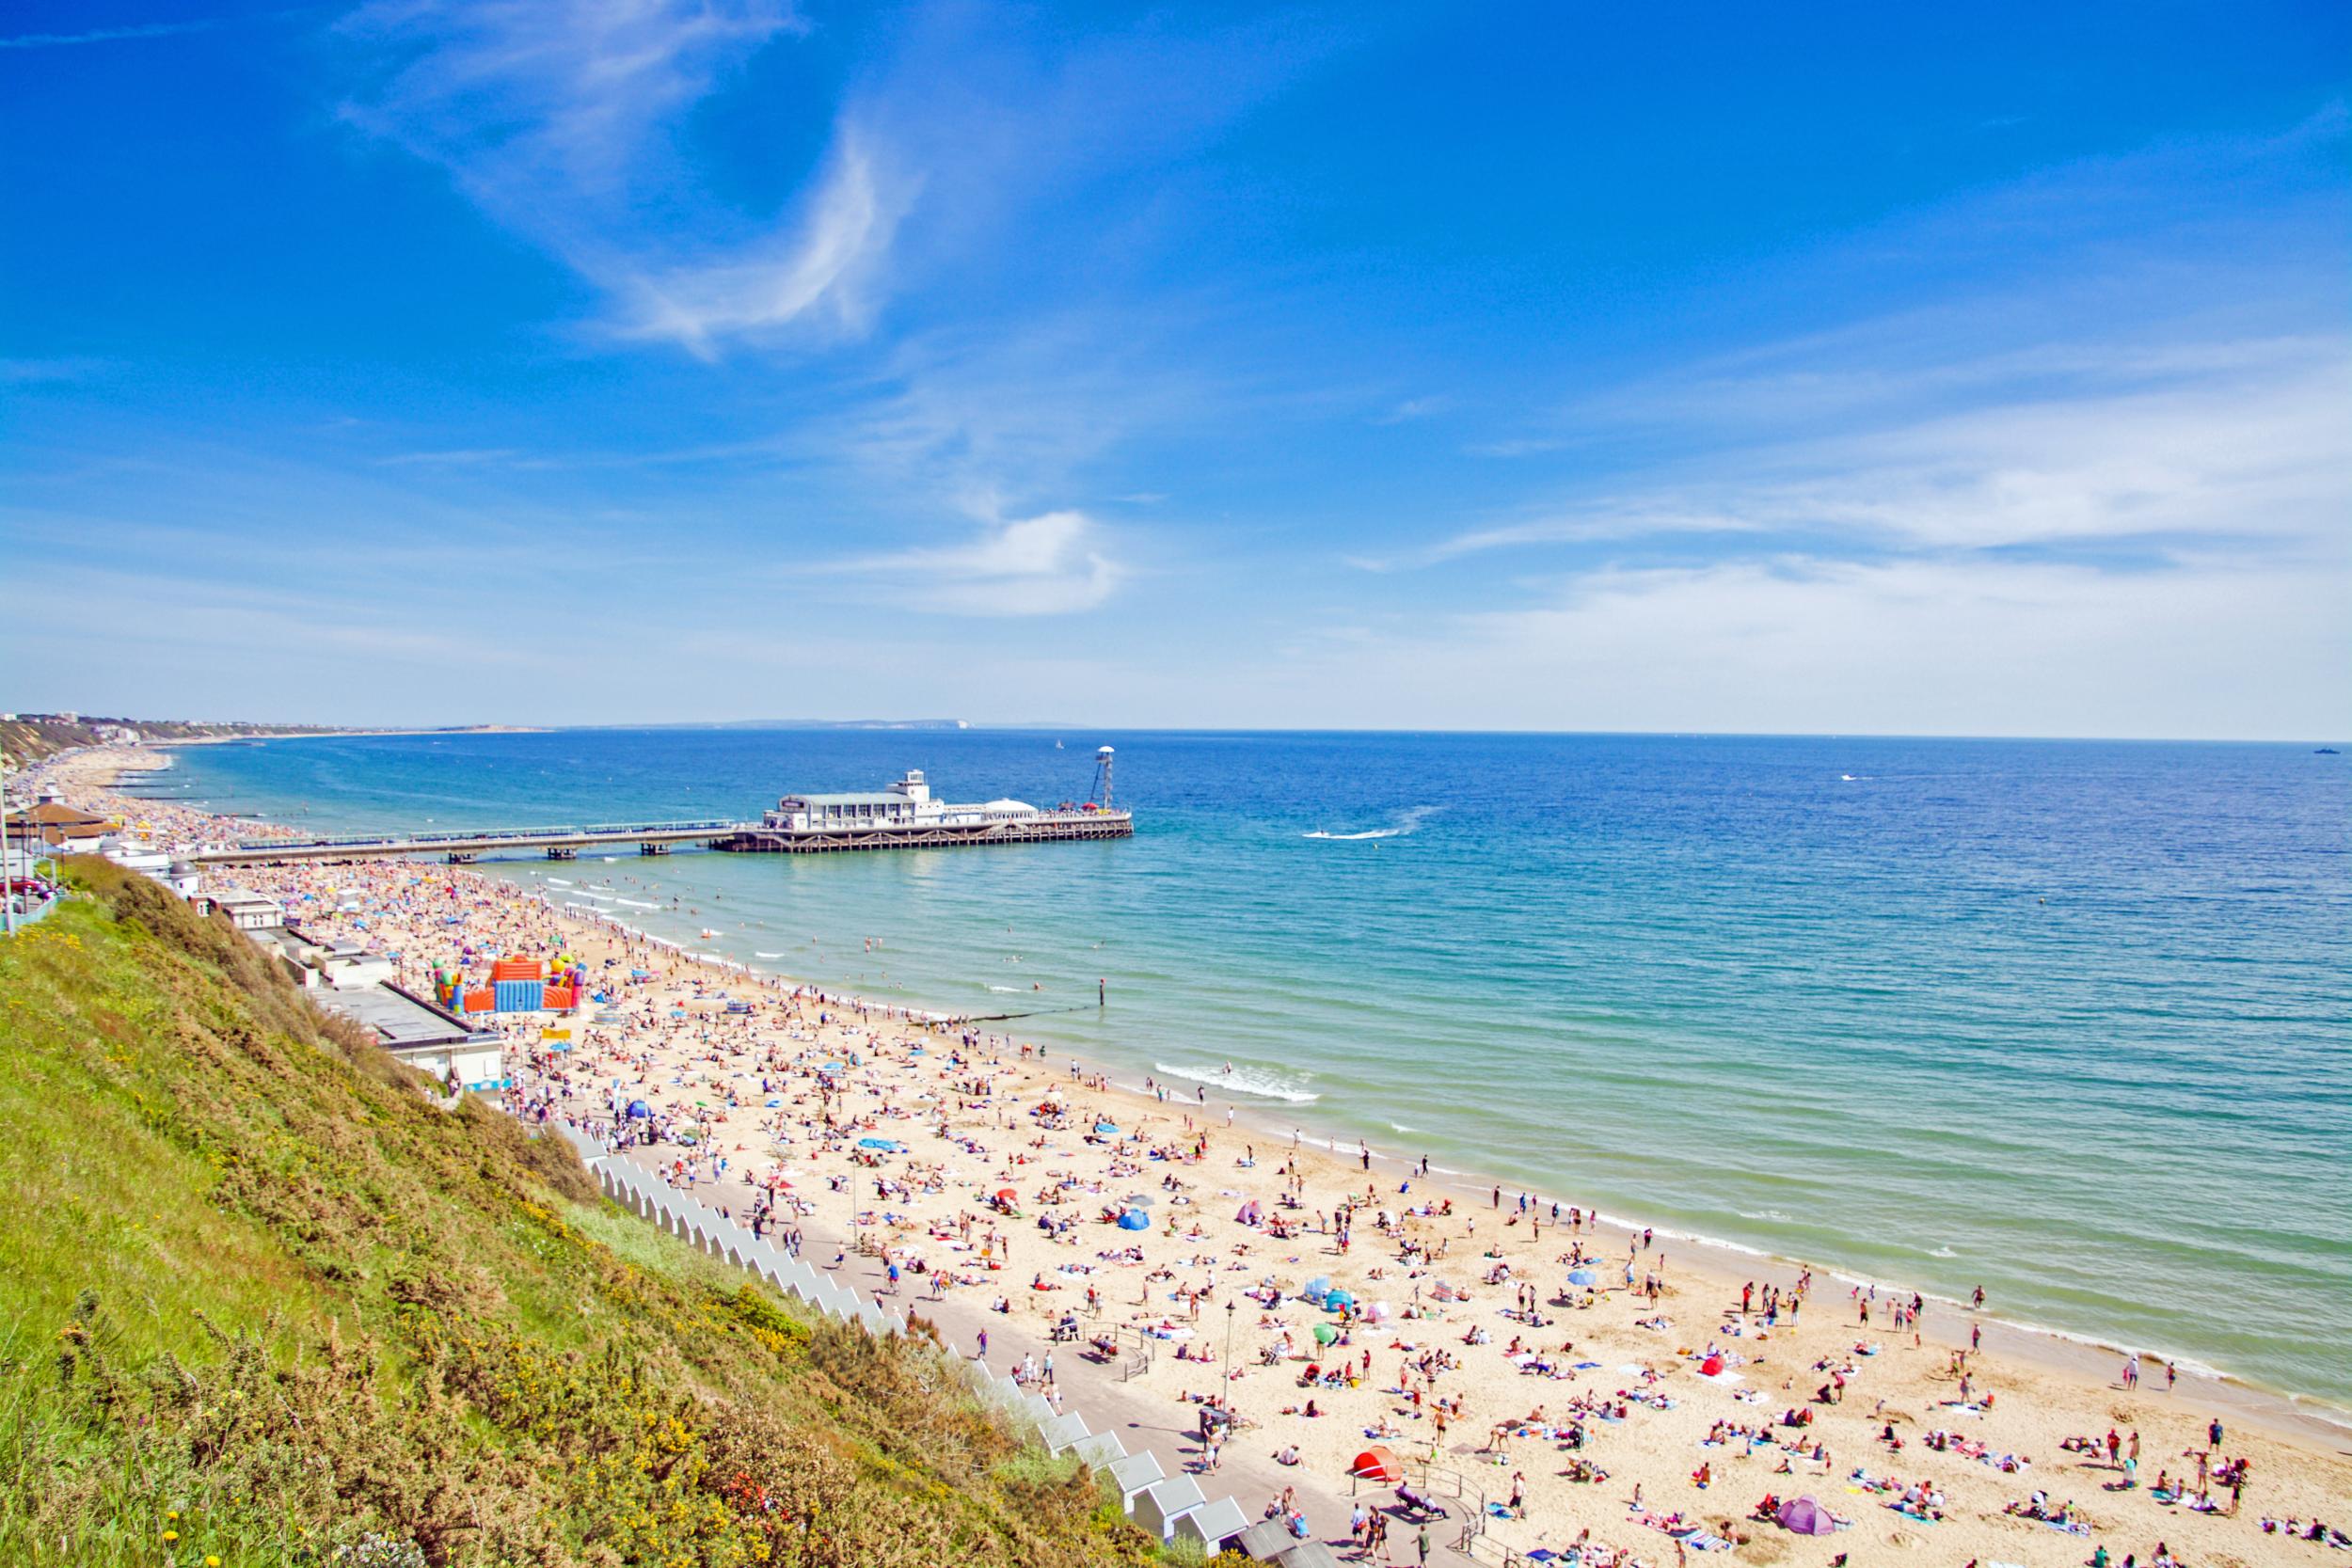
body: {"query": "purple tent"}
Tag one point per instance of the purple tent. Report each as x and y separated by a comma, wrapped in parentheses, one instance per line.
(1806, 1517)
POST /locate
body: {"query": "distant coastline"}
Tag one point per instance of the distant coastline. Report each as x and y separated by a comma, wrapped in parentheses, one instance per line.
(346, 735)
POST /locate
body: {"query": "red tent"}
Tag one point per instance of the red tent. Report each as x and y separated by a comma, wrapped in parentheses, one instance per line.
(1711, 1366)
(1006, 1195)
(1379, 1466)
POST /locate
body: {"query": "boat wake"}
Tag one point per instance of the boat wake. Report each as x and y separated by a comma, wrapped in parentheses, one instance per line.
(759, 954)
(1405, 824)
(1241, 1080)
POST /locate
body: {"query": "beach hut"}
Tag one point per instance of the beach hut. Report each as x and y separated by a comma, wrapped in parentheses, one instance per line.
(1100, 1451)
(1803, 1516)
(1307, 1554)
(1158, 1507)
(1212, 1523)
(1379, 1466)
(1265, 1541)
(1133, 1473)
(1062, 1431)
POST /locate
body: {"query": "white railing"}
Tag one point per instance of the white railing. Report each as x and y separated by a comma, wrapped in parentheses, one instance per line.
(1172, 1505)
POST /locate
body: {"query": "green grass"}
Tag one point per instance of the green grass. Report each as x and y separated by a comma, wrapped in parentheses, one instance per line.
(262, 1301)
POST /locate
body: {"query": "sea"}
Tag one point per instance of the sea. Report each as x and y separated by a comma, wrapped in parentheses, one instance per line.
(2070, 1021)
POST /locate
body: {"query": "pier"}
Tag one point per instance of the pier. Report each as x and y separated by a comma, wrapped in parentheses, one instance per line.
(1043, 828)
(904, 816)
(459, 848)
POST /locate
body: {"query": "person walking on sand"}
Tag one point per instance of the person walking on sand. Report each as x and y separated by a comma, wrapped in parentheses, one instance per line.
(1421, 1542)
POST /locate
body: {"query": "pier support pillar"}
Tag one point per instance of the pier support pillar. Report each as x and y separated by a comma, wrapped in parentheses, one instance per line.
(563, 852)
(460, 856)
(653, 848)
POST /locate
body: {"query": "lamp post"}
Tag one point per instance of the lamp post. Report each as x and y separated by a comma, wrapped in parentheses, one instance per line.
(1229, 1364)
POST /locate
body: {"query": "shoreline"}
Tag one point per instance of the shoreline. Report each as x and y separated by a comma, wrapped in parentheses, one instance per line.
(2074, 1355)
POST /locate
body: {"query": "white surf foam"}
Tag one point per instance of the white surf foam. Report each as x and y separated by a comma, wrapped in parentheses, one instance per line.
(1241, 1080)
(1405, 824)
(759, 954)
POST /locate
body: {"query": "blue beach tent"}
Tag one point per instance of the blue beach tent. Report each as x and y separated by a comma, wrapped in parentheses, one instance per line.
(1135, 1219)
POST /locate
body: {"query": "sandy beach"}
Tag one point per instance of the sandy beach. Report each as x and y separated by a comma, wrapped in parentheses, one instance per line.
(1630, 1397)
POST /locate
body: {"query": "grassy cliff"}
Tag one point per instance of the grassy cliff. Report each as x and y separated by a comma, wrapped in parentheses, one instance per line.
(263, 1303)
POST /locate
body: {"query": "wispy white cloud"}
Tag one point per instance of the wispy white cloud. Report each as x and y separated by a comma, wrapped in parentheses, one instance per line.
(109, 35)
(28, 372)
(572, 97)
(819, 268)
(1969, 645)
(1410, 409)
(462, 458)
(564, 122)
(2240, 439)
(1054, 564)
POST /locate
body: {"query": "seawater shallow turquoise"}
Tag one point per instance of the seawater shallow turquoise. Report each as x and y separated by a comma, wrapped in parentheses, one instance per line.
(2071, 1021)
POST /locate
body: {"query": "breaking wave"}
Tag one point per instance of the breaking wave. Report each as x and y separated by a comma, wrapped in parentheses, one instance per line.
(1241, 1080)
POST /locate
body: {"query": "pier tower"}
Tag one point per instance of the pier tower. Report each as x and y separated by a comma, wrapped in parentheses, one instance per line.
(1103, 778)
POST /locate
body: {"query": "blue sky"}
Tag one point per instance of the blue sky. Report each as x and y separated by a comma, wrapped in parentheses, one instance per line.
(1979, 370)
